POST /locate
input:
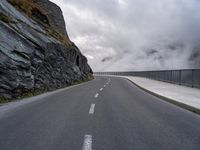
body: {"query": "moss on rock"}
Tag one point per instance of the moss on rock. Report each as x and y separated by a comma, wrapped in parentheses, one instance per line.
(5, 18)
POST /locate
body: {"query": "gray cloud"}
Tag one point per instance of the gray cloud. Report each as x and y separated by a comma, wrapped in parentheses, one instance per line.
(135, 34)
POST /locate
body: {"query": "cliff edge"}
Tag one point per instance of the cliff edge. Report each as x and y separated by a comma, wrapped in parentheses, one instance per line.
(36, 54)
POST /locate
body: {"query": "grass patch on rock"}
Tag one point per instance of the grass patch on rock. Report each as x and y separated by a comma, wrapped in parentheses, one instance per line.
(3, 100)
(33, 11)
(53, 33)
(5, 18)
(36, 92)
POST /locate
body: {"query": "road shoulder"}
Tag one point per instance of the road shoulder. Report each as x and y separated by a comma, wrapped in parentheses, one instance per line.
(184, 97)
(170, 100)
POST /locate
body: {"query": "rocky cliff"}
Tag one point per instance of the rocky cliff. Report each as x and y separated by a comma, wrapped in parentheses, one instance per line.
(36, 54)
(54, 14)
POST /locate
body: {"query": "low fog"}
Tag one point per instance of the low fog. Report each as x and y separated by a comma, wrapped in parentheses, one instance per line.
(123, 35)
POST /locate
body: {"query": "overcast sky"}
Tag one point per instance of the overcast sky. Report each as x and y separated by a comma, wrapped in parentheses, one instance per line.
(119, 35)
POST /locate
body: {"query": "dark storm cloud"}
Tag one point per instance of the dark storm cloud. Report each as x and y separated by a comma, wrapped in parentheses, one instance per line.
(135, 34)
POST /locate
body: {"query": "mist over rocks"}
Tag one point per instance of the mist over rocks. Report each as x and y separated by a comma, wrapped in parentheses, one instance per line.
(126, 30)
(36, 54)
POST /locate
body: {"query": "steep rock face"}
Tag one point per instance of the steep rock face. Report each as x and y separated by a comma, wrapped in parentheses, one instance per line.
(33, 56)
(54, 14)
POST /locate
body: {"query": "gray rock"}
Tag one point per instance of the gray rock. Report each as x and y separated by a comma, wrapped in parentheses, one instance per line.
(31, 59)
(55, 15)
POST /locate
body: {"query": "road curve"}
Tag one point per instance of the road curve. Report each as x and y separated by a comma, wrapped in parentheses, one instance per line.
(107, 113)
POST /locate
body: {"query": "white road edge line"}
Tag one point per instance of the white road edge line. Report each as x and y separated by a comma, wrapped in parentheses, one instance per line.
(87, 144)
(101, 89)
(91, 111)
(96, 95)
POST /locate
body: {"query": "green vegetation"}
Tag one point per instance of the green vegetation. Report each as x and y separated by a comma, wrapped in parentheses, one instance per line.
(3, 100)
(29, 94)
(32, 93)
(53, 33)
(5, 18)
(90, 77)
(24, 95)
(33, 11)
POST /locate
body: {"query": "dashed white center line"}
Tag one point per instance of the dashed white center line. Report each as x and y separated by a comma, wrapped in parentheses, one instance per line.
(96, 95)
(101, 89)
(91, 111)
(87, 144)
(104, 85)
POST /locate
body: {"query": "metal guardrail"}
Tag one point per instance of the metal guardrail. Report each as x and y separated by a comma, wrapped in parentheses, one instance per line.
(188, 77)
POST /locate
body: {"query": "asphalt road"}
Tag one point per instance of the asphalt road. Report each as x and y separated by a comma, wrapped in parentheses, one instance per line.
(91, 116)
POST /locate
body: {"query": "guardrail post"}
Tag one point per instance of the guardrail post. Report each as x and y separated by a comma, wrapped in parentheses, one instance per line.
(180, 77)
(171, 76)
(192, 78)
